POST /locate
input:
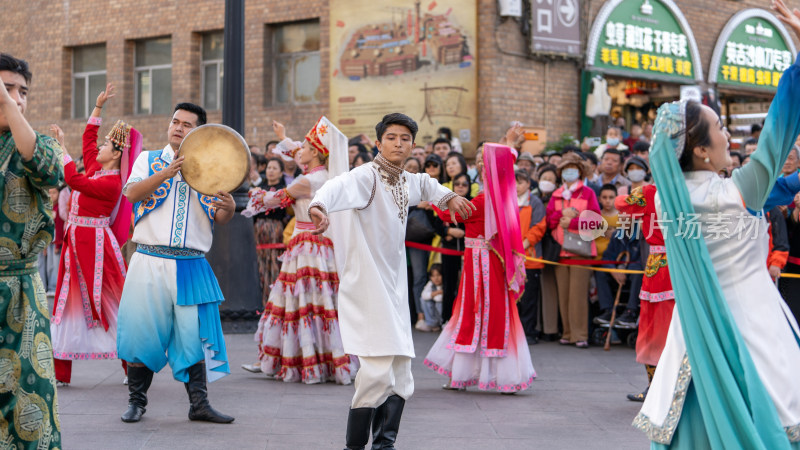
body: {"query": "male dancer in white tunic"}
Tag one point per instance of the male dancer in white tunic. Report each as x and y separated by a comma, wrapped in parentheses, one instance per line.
(373, 298)
(170, 299)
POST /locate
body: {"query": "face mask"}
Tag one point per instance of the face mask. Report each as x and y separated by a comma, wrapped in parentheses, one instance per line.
(612, 142)
(571, 174)
(636, 175)
(546, 186)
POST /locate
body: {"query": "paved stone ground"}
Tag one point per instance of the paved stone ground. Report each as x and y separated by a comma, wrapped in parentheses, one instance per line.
(577, 402)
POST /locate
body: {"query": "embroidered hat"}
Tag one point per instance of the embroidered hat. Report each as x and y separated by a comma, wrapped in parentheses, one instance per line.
(120, 135)
(315, 135)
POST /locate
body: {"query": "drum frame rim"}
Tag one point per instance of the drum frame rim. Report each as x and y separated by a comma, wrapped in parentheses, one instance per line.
(235, 133)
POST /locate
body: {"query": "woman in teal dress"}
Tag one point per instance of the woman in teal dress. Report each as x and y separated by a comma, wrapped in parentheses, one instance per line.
(727, 378)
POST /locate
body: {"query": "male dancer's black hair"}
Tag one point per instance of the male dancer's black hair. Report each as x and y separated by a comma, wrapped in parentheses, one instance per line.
(194, 109)
(11, 64)
(396, 119)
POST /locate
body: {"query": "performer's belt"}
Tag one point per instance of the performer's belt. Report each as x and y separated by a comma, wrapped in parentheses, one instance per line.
(658, 249)
(476, 243)
(19, 267)
(160, 251)
(94, 222)
(307, 226)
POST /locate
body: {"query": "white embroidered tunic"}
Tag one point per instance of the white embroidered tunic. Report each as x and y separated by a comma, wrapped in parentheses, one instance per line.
(180, 221)
(371, 255)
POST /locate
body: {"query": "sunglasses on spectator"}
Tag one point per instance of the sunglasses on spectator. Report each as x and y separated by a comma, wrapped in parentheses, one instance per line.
(431, 164)
(461, 184)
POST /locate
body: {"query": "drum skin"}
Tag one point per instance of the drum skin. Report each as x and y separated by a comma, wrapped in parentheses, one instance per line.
(216, 158)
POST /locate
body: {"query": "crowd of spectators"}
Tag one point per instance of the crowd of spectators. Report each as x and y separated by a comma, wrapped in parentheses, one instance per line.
(564, 303)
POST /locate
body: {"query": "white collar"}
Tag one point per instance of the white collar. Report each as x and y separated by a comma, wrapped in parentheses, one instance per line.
(167, 155)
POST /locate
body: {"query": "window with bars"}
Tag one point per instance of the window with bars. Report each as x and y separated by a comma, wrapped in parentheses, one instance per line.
(211, 70)
(88, 78)
(296, 69)
(153, 76)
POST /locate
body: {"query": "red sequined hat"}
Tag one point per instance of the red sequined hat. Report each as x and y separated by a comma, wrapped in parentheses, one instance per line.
(314, 136)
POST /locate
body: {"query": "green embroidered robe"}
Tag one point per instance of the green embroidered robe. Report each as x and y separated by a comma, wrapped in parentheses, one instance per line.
(28, 400)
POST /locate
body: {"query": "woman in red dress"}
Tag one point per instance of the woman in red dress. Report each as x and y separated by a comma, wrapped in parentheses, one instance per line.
(656, 295)
(92, 269)
(484, 344)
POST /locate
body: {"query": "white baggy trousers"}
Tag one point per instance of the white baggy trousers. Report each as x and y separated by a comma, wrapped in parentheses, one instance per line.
(381, 377)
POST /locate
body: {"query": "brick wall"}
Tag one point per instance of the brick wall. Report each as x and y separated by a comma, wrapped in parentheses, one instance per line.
(512, 85)
(63, 25)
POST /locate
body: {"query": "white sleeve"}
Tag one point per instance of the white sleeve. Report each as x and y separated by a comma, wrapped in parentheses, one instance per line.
(139, 172)
(426, 292)
(350, 190)
(432, 191)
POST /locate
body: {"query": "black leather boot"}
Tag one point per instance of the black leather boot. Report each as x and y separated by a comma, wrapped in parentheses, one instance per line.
(358, 423)
(198, 397)
(386, 422)
(139, 379)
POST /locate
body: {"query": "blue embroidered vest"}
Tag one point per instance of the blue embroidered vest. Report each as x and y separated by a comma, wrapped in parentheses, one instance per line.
(144, 207)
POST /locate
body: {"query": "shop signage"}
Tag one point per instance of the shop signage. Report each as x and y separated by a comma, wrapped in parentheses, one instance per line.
(753, 50)
(645, 39)
(556, 27)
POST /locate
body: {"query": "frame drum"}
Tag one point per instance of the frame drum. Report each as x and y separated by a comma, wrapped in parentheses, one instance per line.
(216, 158)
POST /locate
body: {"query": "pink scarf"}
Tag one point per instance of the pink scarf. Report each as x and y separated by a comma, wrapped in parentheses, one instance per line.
(121, 216)
(502, 228)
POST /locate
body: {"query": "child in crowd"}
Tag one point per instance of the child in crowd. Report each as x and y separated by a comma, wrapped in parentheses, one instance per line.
(432, 297)
(608, 193)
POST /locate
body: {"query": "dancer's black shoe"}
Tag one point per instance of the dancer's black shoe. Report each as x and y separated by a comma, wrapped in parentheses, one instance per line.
(198, 397)
(386, 422)
(139, 379)
(639, 397)
(358, 423)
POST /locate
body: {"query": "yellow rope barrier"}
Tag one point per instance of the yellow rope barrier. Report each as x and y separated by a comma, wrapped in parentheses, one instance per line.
(597, 269)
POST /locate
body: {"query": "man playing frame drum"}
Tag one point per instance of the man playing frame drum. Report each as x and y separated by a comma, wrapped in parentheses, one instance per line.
(169, 307)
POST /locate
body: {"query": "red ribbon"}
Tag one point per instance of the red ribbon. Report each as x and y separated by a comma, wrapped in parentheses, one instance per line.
(428, 248)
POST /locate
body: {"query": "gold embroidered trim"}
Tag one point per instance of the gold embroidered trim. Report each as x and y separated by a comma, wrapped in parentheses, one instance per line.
(392, 173)
(374, 188)
(318, 205)
(655, 261)
(793, 432)
(443, 202)
(663, 434)
(395, 182)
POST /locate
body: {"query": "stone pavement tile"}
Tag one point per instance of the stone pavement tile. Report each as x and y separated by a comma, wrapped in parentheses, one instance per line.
(446, 428)
(206, 436)
(405, 441)
(285, 442)
(311, 407)
(332, 426)
(92, 438)
(439, 414)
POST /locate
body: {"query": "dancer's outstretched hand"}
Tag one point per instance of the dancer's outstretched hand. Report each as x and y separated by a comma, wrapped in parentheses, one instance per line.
(461, 206)
(320, 220)
(279, 129)
(106, 95)
(790, 18)
(58, 133)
